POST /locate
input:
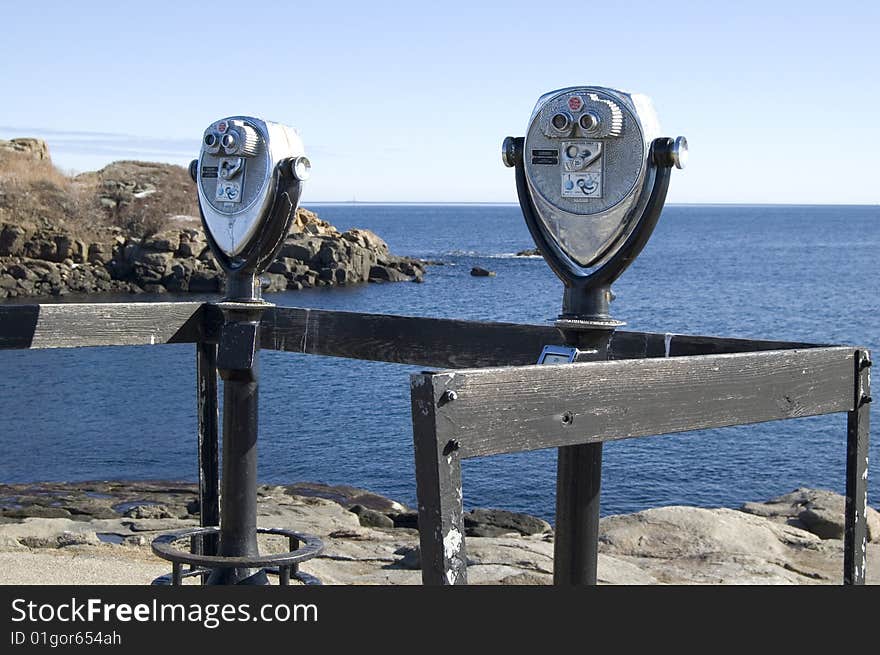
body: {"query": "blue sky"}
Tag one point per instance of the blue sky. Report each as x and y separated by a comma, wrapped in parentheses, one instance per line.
(410, 101)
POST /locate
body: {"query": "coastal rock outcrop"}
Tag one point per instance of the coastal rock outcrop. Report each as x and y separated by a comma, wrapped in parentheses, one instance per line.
(101, 533)
(52, 263)
(529, 252)
(33, 148)
(131, 228)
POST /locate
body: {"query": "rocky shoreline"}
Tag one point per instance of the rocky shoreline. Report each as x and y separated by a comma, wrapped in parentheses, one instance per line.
(99, 533)
(52, 263)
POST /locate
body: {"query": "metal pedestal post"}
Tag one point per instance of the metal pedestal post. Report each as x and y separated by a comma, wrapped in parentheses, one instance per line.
(578, 485)
(237, 364)
(586, 325)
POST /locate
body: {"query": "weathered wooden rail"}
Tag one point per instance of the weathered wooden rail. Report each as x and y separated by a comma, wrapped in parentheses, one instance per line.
(496, 401)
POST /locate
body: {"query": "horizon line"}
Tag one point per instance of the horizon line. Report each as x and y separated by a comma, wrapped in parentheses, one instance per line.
(516, 204)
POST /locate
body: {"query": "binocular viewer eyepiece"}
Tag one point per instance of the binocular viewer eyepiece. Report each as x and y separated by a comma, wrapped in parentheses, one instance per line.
(592, 174)
(249, 176)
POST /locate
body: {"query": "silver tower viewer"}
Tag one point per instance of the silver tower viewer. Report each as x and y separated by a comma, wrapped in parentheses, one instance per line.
(591, 175)
(249, 176)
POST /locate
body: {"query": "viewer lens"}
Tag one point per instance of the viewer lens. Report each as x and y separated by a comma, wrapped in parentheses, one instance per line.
(588, 121)
(560, 121)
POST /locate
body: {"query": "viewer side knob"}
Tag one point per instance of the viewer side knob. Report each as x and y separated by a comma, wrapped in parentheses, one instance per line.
(510, 152)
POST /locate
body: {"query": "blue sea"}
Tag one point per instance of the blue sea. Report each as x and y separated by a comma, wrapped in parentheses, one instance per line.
(805, 273)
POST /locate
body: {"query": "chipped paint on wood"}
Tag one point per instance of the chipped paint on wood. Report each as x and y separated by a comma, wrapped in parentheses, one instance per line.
(452, 547)
(452, 544)
(438, 488)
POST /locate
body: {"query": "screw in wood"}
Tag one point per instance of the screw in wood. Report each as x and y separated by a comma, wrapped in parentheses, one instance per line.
(450, 395)
(567, 418)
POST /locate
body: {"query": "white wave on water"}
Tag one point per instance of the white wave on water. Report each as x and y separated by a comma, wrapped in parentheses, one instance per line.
(485, 255)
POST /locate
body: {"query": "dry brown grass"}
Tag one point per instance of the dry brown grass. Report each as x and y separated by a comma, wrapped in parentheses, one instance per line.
(33, 192)
(20, 170)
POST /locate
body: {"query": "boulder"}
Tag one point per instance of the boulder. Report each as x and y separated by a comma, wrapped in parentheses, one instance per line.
(165, 241)
(408, 519)
(367, 239)
(12, 240)
(274, 282)
(90, 508)
(79, 251)
(153, 259)
(19, 271)
(150, 267)
(499, 521)
(308, 222)
(45, 246)
(150, 511)
(381, 273)
(410, 267)
(370, 518)
(332, 252)
(192, 243)
(179, 274)
(205, 281)
(479, 530)
(99, 253)
(360, 262)
(819, 511)
(346, 496)
(63, 246)
(35, 148)
(693, 545)
(479, 271)
(300, 248)
(280, 266)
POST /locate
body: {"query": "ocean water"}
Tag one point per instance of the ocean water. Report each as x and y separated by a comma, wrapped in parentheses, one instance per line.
(807, 273)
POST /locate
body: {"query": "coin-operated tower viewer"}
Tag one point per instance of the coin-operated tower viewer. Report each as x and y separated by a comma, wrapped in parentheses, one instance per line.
(592, 174)
(249, 174)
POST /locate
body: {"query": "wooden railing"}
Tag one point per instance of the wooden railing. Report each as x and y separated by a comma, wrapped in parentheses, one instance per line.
(674, 383)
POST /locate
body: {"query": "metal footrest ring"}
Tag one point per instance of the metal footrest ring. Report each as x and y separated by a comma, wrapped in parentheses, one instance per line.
(303, 547)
